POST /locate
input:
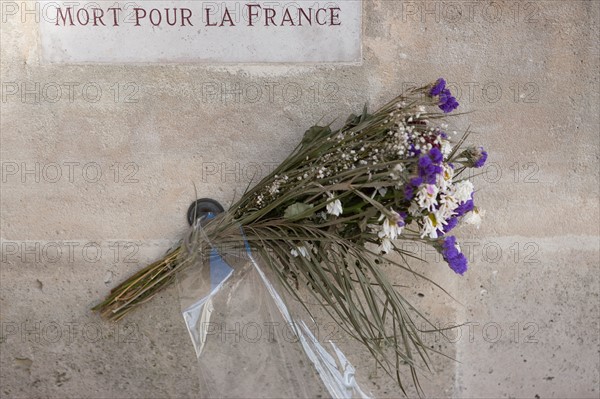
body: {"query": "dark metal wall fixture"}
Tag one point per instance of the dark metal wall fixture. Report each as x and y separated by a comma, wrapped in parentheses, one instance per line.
(201, 208)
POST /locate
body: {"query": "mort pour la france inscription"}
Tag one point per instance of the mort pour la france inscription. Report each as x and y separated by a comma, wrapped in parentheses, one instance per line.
(299, 16)
(199, 31)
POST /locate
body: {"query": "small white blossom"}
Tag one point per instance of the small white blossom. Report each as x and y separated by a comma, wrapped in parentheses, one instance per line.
(390, 229)
(386, 246)
(444, 179)
(274, 189)
(447, 206)
(389, 226)
(463, 190)
(334, 207)
(474, 217)
(431, 224)
(446, 148)
(427, 196)
(301, 250)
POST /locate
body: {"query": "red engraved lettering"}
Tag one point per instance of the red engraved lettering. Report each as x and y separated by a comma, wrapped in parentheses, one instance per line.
(227, 17)
(114, 10)
(269, 15)
(208, 18)
(68, 14)
(98, 14)
(317, 16)
(86, 16)
(287, 18)
(140, 13)
(174, 16)
(335, 16)
(308, 17)
(155, 17)
(252, 14)
(185, 17)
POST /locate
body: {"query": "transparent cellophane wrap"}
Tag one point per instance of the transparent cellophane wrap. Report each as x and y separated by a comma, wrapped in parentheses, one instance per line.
(253, 340)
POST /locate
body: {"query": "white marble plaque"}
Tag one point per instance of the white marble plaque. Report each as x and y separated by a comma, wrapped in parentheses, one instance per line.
(225, 31)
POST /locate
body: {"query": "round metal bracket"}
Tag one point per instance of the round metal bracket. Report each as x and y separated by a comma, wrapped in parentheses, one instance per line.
(201, 208)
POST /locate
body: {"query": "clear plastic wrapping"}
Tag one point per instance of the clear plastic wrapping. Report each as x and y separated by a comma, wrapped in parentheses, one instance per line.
(248, 341)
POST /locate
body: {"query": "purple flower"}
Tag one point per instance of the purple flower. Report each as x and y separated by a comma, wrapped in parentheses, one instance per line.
(401, 220)
(416, 181)
(409, 189)
(413, 151)
(464, 207)
(450, 224)
(439, 86)
(475, 157)
(456, 260)
(409, 192)
(425, 167)
(445, 95)
(449, 106)
(482, 158)
(436, 155)
(428, 166)
(447, 102)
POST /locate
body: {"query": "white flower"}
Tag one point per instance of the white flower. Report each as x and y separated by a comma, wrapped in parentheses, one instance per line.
(301, 250)
(463, 190)
(444, 179)
(386, 246)
(396, 172)
(389, 226)
(427, 196)
(446, 148)
(474, 217)
(447, 206)
(431, 224)
(334, 207)
(274, 189)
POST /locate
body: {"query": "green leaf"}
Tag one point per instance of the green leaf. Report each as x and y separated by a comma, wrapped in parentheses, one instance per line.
(315, 133)
(293, 211)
